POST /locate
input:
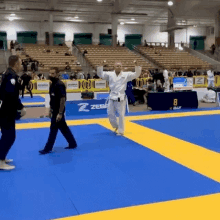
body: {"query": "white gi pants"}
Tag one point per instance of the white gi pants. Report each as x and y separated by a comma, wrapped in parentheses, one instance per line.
(120, 107)
(167, 85)
(211, 83)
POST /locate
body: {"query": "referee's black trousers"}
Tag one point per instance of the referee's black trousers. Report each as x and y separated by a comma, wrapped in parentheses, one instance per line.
(27, 87)
(8, 136)
(62, 126)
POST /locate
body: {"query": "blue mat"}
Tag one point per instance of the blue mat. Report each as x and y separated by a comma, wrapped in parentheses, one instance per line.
(104, 172)
(200, 130)
(28, 99)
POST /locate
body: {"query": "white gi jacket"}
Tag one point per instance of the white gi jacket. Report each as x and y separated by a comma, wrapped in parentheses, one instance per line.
(210, 96)
(210, 75)
(118, 84)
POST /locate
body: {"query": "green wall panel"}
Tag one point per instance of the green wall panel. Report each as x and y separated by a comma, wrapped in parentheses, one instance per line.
(132, 39)
(83, 38)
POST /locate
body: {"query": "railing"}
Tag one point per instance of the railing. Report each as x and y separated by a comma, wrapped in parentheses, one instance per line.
(81, 58)
(178, 45)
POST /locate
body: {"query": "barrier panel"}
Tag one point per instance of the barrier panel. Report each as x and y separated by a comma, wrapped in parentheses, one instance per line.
(94, 85)
(200, 82)
(87, 107)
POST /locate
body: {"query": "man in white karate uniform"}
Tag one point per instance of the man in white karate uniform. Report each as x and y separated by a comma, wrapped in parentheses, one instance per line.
(166, 80)
(117, 99)
(211, 78)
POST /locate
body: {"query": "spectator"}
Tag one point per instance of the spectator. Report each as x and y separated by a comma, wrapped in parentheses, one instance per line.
(118, 43)
(34, 76)
(129, 93)
(24, 64)
(211, 78)
(67, 68)
(195, 44)
(33, 68)
(88, 76)
(189, 74)
(11, 45)
(213, 48)
(95, 76)
(85, 52)
(160, 87)
(36, 65)
(80, 75)
(41, 76)
(73, 76)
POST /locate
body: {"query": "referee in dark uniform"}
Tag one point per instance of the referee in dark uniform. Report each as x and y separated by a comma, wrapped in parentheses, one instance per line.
(10, 104)
(25, 83)
(57, 110)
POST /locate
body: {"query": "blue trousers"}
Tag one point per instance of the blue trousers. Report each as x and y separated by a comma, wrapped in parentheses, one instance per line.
(62, 126)
(130, 95)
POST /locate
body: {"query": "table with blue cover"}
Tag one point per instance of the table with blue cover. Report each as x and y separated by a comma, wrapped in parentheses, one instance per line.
(168, 100)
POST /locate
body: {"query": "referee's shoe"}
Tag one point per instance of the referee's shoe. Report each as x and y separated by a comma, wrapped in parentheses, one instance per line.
(5, 166)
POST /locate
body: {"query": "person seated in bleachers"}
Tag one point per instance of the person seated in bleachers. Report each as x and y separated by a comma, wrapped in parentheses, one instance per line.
(73, 76)
(80, 75)
(210, 96)
(96, 76)
(189, 73)
(180, 74)
(67, 68)
(34, 76)
(41, 76)
(88, 76)
(85, 52)
(65, 76)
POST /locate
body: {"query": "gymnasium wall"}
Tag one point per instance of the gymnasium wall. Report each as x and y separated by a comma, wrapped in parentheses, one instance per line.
(150, 33)
(184, 35)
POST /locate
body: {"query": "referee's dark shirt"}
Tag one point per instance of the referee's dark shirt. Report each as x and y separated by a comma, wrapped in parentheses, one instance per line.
(57, 91)
(9, 95)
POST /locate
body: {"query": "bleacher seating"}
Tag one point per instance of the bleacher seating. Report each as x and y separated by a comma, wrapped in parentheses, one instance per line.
(97, 53)
(55, 58)
(172, 58)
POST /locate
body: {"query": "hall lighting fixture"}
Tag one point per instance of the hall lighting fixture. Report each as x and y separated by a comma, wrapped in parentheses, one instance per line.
(122, 23)
(11, 18)
(133, 19)
(76, 20)
(76, 16)
(99, 0)
(170, 3)
(131, 22)
(13, 14)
